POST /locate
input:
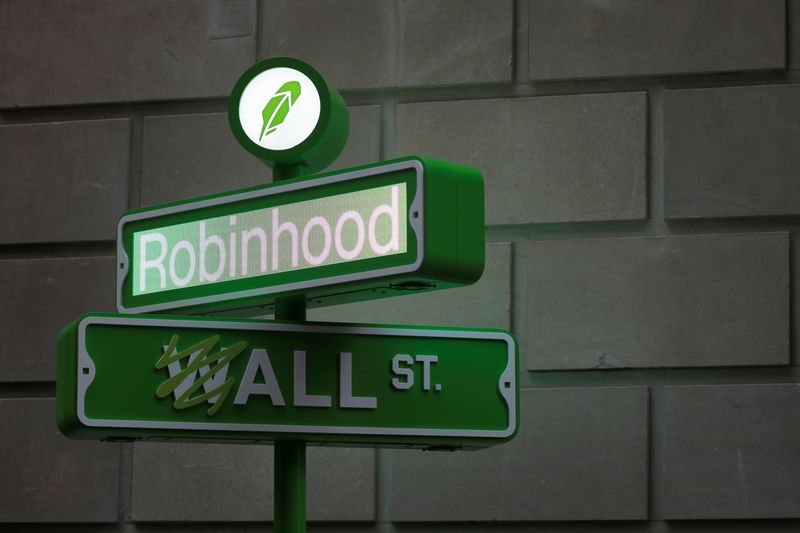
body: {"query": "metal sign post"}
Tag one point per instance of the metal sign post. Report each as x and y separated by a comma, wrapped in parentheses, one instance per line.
(315, 141)
(290, 491)
(369, 232)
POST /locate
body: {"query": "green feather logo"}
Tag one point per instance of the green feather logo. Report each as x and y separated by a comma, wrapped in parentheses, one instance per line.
(278, 107)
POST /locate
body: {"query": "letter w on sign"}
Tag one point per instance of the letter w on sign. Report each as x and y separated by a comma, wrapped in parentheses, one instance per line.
(278, 107)
(183, 382)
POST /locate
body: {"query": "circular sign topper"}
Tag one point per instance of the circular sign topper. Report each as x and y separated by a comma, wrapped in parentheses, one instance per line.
(283, 112)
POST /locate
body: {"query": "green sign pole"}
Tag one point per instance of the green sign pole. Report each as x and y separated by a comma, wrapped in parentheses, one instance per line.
(293, 142)
(290, 455)
(290, 486)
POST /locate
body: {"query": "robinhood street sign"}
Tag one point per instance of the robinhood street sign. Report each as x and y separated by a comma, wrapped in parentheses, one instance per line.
(369, 232)
(133, 376)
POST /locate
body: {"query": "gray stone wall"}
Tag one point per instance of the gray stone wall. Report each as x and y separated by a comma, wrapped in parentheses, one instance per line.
(642, 166)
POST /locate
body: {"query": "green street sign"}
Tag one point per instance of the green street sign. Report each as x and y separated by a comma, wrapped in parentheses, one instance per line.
(183, 378)
(283, 112)
(368, 232)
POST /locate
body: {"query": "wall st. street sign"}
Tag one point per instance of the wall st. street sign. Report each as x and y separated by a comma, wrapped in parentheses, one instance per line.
(368, 232)
(375, 231)
(139, 376)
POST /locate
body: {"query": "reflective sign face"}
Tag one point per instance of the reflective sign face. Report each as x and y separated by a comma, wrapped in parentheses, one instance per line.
(182, 378)
(368, 233)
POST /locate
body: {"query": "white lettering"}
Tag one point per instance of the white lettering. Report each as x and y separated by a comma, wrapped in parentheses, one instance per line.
(259, 361)
(157, 263)
(277, 229)
(173, 275)
(359, 222)
(346, 398)
(326, 242)
(262, 237)
(408, 373)
(232, 250)
(426, 361)
(205, 242)
(394, 216)
(300, 397)
(316, 232)
(217, 380)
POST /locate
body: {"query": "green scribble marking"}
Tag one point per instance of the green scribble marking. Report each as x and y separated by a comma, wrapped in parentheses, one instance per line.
(278, 107)
(221, 358)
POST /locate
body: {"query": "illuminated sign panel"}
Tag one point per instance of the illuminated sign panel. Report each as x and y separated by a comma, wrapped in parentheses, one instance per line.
(365, 233)
(135, 376)
(290, 114)
(326, 231)
(284, 113)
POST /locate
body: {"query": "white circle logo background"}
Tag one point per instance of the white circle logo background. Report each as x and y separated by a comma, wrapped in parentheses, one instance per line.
(301, 119)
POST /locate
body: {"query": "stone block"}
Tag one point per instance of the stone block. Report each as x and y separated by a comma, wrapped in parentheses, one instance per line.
(57, 52)
(545, 159)
(216, 482)
(341, 484)
(571, 39)
(40, 297)
(63, 181)
(487, 303)
(678, 301)
(193, 155)
(185, 156)
(730, 451)
(793, 7)
(394, 43)
(732, 152)
(581, 454)
(234, 483)
(350, 43)
(48, 477)
(454, 42)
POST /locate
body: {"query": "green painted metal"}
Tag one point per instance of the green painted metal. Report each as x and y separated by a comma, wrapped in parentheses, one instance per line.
(435, 242)
(185, 378)
(289, 459)
(290, 486)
